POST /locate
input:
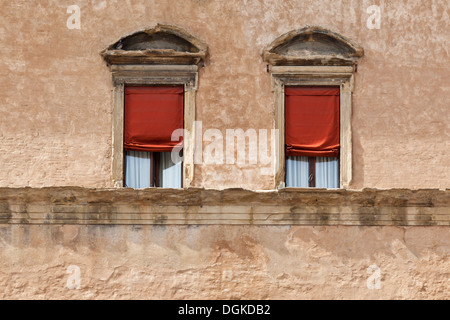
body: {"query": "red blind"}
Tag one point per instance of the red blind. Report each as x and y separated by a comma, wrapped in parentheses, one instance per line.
(312, 121)
(151, 115)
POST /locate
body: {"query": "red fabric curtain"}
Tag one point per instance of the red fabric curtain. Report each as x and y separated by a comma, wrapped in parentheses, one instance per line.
(151, 115)
(312, 121)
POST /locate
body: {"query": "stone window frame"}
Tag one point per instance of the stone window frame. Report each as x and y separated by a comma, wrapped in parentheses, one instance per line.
(152, 75)
(341, 76)
(313, 56)
(163, 55)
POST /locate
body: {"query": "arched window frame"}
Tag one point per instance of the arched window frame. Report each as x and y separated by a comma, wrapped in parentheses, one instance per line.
(148, 66)
(298, 65)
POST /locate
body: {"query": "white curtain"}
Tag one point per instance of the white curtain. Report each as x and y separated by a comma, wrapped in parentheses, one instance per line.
(169, 172)
(137, 171)
(327, 173)
(297, 172)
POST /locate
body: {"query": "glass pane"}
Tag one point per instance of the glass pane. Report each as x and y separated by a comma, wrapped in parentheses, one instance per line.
(137, 171)
(169, 172)
(327, 173)
(297, 172)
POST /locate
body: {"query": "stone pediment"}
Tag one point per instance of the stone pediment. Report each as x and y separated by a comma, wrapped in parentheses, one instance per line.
(312, 46)
(160, 45)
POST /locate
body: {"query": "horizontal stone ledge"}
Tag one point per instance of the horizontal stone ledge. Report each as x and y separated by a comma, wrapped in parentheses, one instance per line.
(406, 214)
(242, 216)
(143, 210)
(74, 205)
(199, 222)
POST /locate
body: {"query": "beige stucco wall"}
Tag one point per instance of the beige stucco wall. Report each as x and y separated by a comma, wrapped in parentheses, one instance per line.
(55, 97)
(55, 130)
(224, 262)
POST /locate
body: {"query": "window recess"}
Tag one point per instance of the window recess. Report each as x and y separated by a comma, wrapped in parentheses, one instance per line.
(312, 137)
(152, 115)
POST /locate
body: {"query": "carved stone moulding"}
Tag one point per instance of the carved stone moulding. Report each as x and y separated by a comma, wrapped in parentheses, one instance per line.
(312, 46)
(161, 45)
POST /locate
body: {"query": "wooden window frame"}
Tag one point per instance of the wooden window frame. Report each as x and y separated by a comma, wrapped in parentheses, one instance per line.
(151, 75)
(312, 172)
(337, 76)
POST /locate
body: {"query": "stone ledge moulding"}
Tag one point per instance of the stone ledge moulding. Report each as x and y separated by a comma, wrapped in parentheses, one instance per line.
(319, 207)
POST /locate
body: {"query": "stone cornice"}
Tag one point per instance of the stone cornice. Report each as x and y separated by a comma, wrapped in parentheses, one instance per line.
(81, 206)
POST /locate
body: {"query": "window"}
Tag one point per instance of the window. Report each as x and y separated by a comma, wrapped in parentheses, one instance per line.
(312, 73)
(152, 115)
(152, 169)
(150, 69)
(312, 137)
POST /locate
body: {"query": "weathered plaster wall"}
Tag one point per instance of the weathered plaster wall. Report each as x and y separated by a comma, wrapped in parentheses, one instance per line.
(55, 130)
(256, 259)
(55, 97)
(224, 262)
